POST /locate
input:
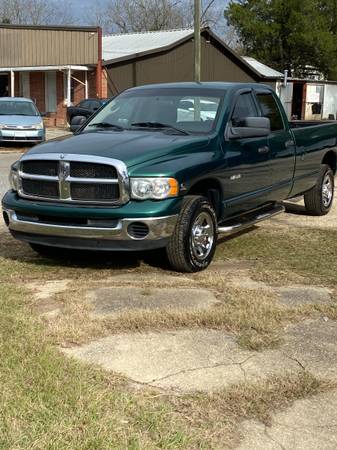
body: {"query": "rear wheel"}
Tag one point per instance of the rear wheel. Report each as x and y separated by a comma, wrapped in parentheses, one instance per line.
(319, 199)
(192, 246)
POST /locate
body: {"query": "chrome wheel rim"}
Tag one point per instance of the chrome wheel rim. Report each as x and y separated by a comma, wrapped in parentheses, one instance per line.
(327, 191)
(202, 236)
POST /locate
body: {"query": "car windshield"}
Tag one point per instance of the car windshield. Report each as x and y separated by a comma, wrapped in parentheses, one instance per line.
(171, 110)
(15, 108)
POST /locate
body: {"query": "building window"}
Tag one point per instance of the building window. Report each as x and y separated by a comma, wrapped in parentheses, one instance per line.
(24, 80)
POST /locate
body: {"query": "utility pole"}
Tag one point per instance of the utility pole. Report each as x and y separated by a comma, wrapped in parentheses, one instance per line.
(197, 43)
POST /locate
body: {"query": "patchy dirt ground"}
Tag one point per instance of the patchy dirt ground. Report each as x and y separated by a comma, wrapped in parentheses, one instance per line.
(251, 342)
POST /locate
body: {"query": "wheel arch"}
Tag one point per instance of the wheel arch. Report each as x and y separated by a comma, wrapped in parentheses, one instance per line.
(330, 159)
(211, 189)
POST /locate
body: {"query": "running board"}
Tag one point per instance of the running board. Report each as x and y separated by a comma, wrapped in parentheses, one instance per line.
(250, 220)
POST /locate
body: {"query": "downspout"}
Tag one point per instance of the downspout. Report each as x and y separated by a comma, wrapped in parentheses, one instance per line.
(99, 65)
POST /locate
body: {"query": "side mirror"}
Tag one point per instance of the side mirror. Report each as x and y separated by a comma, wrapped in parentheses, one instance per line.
(43, 114)
(250, 127)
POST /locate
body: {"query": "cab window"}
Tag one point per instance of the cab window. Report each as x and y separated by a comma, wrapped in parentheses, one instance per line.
(244, 107)
(270, 109)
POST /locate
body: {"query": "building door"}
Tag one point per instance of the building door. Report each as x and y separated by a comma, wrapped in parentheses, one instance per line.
(4, 85)
(298, 101)
(50, 92)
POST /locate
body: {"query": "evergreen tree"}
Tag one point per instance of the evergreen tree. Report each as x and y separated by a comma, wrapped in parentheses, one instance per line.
(295, 35)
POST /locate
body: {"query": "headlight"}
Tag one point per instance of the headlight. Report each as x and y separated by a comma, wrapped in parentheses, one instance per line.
(14, 177)
(2, 126)
(153, 188)
(39, 126)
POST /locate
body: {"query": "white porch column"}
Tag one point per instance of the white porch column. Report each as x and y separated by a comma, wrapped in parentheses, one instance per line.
(12, 84)
(86, 87)
(69, 87)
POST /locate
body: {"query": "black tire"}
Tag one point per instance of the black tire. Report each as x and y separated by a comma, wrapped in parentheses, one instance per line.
(182, 250)
(319, 199)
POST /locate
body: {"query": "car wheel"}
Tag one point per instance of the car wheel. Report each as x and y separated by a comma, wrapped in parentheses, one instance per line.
(192, 245)
(319, 199)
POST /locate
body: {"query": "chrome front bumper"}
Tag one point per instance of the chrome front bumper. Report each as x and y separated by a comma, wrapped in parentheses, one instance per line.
(158, 228)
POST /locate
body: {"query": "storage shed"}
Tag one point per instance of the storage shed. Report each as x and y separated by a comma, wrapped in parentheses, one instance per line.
(167, 56)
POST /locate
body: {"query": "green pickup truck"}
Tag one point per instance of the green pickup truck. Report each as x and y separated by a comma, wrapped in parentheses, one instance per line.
(170, 166)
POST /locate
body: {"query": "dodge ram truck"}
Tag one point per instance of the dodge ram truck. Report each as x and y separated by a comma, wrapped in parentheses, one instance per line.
(170, 166)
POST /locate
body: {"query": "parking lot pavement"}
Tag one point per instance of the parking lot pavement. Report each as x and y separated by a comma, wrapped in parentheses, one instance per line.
(53, 133)
(6, 160)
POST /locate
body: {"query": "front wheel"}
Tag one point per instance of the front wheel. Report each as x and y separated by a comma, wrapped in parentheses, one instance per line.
(319, 199)
(192, 245)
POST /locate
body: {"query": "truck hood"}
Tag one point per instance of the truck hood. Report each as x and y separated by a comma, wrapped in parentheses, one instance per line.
(131, 147)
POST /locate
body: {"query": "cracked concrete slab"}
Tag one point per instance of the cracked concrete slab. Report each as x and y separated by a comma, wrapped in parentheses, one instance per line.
(314, 344)
(152, 278)
(232, 265)
(110, 300)
(48, 289)
(186, 360)
(303, 295)
(309, 424)
(209, 360)
(44, 294)
(246, 282)
(288, 295)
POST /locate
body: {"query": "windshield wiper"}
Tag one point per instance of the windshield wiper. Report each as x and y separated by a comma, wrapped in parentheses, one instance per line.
(107, 125)
(158, 125)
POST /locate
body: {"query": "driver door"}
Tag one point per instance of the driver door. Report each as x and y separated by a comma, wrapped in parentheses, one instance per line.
(247, 177)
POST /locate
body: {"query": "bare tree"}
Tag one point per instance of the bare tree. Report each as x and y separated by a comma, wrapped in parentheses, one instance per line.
(125, 16)
(35, 12)
(144, 15)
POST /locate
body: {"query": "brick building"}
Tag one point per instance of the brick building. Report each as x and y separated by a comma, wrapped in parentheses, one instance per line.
(55, 66)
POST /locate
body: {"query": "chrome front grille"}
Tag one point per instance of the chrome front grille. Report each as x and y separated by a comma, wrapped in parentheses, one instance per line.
(92, 170)
(39, 188)
(73, 178)
(49, 168)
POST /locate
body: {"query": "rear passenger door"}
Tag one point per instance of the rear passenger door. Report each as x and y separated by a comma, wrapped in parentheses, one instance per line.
(247, 178)
(280, 143)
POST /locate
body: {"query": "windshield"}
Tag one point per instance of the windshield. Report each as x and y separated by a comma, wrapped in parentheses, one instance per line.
(185, 110)
(14, 108)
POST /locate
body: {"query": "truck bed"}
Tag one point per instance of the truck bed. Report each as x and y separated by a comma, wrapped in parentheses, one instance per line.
(309, 123)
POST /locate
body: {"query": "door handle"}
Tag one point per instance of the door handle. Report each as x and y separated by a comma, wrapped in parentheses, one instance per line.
(263, 150)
